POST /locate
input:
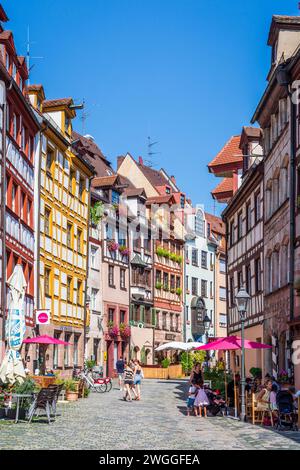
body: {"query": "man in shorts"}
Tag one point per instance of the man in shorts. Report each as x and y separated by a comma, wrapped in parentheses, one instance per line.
(120, 365)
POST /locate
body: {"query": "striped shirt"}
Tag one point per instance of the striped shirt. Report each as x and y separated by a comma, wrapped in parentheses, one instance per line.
(128, 374)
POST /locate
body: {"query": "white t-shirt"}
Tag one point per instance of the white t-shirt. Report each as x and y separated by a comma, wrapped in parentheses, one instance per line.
(192, 392)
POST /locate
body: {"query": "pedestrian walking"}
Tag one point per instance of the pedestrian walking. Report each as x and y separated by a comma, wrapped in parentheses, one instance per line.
(129, 382)
(201, 400)
(138, 376)
(120, 365)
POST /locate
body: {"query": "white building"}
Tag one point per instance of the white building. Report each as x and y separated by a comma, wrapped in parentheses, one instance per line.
(199, 276)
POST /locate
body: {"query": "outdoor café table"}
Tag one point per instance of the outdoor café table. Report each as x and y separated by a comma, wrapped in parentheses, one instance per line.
(19, 397)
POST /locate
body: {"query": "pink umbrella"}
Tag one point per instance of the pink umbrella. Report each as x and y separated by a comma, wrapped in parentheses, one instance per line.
(232, 342)
(45, 340)
(229, 343)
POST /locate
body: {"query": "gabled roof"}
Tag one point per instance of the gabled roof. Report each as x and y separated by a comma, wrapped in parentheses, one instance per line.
(168, 199)
(230, 154)
(216, 223)
(254, 132)
(35, 88)
(135, 192)
(57, 102)
(154, 176)
(224, 188)
(104, 181)
(282, 21)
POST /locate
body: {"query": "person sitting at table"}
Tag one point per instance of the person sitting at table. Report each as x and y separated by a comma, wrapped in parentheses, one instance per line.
(230, 389)
(248, 386)
(263, 397)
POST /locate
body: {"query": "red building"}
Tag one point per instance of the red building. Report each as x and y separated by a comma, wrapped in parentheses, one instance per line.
(20, 127)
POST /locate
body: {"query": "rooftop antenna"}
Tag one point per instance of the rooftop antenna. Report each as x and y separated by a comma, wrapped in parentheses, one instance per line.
(28, 56)
(150, 152)
(86, 112)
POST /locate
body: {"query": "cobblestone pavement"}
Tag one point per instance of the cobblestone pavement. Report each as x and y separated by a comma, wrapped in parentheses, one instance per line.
(105, 421)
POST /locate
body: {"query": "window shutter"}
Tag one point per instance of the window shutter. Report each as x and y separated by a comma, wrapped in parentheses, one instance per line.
(132, 306)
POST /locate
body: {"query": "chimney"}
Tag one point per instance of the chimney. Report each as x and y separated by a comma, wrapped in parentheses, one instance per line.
(141, 161)
(173, 179)
(120, 161)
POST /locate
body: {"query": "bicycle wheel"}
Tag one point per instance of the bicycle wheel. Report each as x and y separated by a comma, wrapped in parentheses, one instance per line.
(101, 388)
(109, 386)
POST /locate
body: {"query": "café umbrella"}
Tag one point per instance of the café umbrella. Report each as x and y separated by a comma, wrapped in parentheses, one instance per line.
(228, 344)
(12, 369)
(45, 340)
(178, 346)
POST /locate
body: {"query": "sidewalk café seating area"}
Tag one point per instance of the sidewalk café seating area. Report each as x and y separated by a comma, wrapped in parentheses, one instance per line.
(29, 400)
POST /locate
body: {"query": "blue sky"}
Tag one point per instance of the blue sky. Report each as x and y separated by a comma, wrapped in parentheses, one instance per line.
(188, 73)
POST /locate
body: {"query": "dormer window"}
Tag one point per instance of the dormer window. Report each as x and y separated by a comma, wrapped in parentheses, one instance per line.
(168, 190)
(67, 124)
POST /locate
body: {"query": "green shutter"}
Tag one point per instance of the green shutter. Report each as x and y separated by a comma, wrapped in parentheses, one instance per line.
(153, 317)
(142, 313)
(131, 319)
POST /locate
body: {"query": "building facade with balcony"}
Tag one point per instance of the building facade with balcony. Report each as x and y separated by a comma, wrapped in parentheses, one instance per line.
(142, 313)
(95, 344)
(115, 271)
(62, 217)
(19, 127)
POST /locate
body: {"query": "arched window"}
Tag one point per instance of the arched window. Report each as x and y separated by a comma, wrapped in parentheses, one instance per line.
(200, 224)
(269, 200)
(275, 193)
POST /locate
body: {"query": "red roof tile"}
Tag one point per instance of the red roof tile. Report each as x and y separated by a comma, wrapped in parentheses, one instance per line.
(230, 153)
(104, 181)
(216, 223)
(57, 102)
(161, 199)
(225, 186)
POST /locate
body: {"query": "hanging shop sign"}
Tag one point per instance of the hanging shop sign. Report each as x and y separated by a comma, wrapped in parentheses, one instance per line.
(42, 317)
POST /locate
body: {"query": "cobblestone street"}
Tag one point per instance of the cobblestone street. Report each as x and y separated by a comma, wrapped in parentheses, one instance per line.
(105, 421)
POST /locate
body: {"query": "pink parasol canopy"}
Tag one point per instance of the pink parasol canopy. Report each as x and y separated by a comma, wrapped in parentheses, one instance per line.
(45, 340)
(231, 342)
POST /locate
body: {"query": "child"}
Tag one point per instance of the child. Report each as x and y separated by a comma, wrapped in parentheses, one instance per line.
(201, 400)
(191, 399)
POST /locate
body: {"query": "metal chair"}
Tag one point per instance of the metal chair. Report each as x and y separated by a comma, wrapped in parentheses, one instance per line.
(43, 401)
(58, 389)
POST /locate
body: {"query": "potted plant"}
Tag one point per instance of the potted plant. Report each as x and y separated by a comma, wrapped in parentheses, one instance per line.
(158, 285)
(160, 251)
(179, 291)
(283, 377)
(96, 212)
(172, 290)
(166, 288)
(86, 392)
(71, 387)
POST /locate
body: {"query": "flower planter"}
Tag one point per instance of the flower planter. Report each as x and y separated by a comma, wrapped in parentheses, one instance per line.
(71, 396)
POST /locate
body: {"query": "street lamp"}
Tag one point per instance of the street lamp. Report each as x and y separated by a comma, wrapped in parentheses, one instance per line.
(242, 299)
(207, 323)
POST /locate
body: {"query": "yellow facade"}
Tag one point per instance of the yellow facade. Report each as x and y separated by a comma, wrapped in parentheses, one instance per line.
(64, 206)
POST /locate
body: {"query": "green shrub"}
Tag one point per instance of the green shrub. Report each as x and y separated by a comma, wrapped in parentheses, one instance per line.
(256, 372)
(165, 363)
(217, 378)
(91, 363)
(70, 385)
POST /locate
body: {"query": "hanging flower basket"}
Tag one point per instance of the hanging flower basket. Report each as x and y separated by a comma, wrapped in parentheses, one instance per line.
(125, 331)
(113, 331)
(124, 250)
(112, 245)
